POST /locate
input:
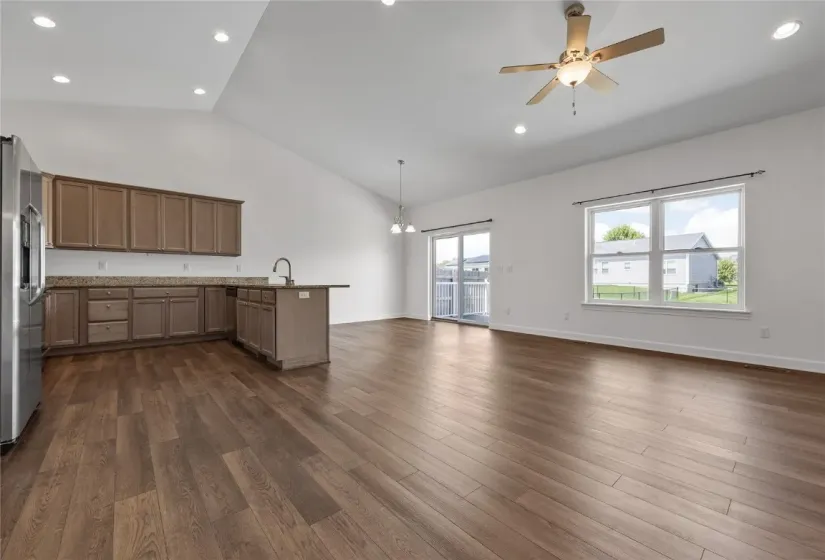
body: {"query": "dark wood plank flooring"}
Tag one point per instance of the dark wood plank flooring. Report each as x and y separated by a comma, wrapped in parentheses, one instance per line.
(423, 441)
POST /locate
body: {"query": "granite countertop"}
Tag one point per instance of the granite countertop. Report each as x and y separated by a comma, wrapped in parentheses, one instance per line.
(162, 281)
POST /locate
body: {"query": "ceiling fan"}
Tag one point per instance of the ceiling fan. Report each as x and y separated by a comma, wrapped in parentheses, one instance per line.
(577, 64)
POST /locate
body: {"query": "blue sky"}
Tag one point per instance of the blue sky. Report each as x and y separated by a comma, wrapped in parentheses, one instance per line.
(716, 216)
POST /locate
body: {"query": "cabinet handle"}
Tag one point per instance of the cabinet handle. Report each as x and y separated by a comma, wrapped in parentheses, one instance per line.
(108, 305)
(108, 293)
(167, 293)
(108, 327)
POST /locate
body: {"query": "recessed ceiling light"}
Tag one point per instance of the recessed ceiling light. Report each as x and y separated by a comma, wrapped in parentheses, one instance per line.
(388, 2)
(61, 79)
(787, 29)
(43, 21)
(199, 91)
(221, 37)
(520, 129)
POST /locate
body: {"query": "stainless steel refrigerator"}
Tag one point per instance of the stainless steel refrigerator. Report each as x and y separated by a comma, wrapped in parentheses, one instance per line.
(23, 277)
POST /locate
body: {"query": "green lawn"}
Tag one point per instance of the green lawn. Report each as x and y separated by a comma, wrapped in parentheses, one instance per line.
(727, 295)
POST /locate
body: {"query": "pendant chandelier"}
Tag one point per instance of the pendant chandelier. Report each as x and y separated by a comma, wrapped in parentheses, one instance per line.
(398, 224)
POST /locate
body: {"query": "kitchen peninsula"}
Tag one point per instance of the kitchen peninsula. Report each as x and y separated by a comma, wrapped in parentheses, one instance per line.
(287, 325)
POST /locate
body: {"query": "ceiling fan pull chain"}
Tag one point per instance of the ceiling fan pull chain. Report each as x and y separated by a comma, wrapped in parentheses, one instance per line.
(574, 101)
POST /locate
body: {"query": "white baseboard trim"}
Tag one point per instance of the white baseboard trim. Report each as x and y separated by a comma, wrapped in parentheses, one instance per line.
(416, 316)
(697, 351)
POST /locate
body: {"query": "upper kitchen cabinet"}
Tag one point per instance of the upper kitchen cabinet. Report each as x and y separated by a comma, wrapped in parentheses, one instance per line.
(110, 218)
(73, 215)
(176, 226)
(95, 215)
(204, 226)
(48, 207)
(229, 228)
(145, 214)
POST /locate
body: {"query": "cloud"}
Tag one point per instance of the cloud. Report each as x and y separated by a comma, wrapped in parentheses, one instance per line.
(599, 229)
(720, 226)
(688, 204)
(644, 228)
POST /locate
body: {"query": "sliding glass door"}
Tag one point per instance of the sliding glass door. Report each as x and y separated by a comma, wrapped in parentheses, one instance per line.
(461, 277)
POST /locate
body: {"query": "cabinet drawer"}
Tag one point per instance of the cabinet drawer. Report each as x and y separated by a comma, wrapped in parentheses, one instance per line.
(108, 311)
(164, 292)
(243, 294)
(254, 295)
(268, 296)
(108, 332)
(108, 293)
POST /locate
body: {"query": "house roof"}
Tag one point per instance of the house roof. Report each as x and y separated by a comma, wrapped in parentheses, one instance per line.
(684, 241)
(471, 260)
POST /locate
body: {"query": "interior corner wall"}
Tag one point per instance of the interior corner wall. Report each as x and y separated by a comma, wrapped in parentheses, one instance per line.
(333, 231)
(539, 233)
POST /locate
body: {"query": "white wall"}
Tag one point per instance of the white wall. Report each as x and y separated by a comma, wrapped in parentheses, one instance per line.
(538, 232)
(333, 231)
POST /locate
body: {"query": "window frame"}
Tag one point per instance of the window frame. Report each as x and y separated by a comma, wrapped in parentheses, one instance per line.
(657, 255)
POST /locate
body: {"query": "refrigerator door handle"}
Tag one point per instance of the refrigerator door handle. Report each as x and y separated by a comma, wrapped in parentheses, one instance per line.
(41, 277)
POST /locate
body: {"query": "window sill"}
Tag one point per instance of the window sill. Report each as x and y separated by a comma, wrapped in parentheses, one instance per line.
(740, 314)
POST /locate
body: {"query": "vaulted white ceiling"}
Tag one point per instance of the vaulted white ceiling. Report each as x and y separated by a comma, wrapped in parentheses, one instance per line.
(353, 86)
(129, 53)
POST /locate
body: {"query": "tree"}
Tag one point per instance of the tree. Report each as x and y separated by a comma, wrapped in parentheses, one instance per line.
(726, 271)
(623, 231)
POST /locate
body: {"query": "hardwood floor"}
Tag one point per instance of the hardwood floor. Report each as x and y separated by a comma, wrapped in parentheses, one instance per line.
(424, 441)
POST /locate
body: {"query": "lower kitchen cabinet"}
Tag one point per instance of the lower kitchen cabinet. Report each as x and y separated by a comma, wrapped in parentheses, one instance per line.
(253, 325)
(267, 322)
(148, 318)
(184, 316)
(215, 310)
(240, 332)
(62, 318)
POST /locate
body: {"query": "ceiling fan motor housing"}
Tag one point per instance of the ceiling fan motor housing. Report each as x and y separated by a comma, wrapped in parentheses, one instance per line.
(574, 9)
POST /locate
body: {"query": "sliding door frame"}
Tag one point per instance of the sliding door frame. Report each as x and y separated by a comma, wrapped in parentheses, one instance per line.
(459, 235)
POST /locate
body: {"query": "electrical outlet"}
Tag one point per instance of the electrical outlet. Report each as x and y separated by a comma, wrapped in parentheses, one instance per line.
(765, 332)
(509, 268)
(186, 267)
(567, 316)
(303, 295)
(102, 265)
(507, 311)
(237, 268)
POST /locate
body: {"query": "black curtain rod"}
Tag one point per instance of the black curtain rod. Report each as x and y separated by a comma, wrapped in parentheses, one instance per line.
(651, 191)
(457, 225)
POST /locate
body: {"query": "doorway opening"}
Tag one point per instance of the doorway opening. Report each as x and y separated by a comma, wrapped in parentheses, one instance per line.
(461, 277)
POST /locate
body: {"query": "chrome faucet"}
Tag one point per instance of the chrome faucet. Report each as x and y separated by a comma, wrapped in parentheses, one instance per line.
(288, 277)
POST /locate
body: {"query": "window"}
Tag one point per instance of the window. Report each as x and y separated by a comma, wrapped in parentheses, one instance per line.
(696, 241)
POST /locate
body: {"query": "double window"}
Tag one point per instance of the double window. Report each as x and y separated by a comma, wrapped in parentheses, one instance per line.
(675, 251)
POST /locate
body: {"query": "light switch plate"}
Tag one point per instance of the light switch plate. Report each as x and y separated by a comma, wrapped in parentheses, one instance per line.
(303, 295)
(186, 267)
(102, 265)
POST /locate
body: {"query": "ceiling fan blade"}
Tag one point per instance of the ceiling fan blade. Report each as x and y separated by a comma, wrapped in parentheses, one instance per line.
(629, 46)
(528, 68)
(577, 30)
(600, 81)
(544, 91)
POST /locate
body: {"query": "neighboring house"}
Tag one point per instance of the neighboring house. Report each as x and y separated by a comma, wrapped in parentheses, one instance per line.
(687, 272)
(482, 262)
(476, 269)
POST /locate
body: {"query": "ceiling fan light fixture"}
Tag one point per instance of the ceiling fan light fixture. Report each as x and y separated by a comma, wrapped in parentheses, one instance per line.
(787, 29)
(574, 73)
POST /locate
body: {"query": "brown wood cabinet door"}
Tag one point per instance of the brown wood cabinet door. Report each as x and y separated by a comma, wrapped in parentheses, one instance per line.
(253, 325)
(145, 217)
(110, 218)
(204, 226)
(176, 226)
(48, 208)
(229, 228)
(240, 332)
(63, 319)
(184, 314)
(267, 330)
(215, 308)
(74, 208)
(148, 318)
